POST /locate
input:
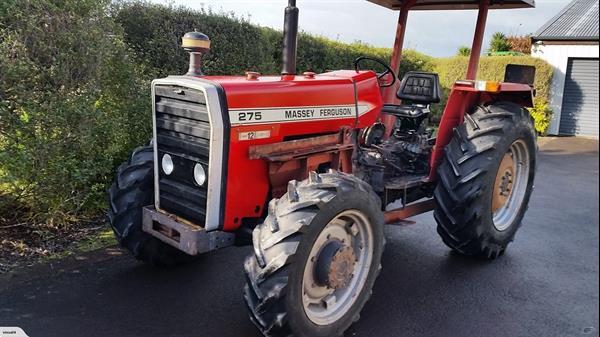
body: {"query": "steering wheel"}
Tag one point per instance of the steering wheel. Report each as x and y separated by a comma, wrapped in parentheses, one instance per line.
(380, 76)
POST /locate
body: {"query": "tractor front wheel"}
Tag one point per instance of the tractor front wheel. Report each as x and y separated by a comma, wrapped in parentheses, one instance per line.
(132, 190)
(316, 257)
(486, 180)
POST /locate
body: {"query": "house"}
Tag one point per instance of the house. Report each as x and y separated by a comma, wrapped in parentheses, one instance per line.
(569, 42)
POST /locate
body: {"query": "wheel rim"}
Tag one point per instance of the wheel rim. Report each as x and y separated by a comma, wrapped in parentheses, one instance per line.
(510, 185)
(351, 234)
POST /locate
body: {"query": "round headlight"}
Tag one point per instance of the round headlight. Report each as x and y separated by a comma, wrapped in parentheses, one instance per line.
(167, 164)
(199, 174)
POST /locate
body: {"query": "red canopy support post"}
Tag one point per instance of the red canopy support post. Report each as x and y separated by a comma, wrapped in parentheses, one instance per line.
(478, 40)
(389, 93)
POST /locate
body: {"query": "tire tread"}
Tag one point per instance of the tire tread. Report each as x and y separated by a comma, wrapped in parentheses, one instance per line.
(461, 177)
(266, 288)
(131, 191)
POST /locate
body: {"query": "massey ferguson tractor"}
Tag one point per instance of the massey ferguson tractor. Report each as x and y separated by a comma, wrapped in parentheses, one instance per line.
(308, 168)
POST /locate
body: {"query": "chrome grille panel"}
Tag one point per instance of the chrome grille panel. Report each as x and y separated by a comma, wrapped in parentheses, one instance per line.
(183, 130)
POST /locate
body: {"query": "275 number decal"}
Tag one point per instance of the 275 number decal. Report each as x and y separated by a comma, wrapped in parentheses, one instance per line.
(249, 116)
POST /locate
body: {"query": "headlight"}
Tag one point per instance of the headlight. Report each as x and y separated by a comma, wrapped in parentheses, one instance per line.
(199, 174)
(167, 164)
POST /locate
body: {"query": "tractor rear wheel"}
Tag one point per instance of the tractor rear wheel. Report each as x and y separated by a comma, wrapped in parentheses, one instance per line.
(316, 257)
(486, 180)
(132, 190)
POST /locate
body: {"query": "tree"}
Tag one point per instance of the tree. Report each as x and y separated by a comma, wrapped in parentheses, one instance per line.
(521, 44)
(499, 43)
(464, 51)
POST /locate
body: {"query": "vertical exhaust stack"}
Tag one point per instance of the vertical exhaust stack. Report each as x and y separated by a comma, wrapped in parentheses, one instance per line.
(290, 38)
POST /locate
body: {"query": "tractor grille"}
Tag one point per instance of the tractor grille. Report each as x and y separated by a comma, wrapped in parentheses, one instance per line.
(183, 132)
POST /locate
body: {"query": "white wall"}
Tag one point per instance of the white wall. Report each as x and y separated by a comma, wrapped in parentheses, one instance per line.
(558, 56)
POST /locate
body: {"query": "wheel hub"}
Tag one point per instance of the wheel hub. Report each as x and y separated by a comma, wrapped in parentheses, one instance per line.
(510, 186)
(504, 182)
(335, 265)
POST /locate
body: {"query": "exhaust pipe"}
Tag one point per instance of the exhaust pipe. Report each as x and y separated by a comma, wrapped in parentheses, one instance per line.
(290, 38)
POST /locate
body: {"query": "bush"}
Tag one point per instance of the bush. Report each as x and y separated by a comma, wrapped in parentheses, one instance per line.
(499, 43)
(542, 114)
(464, 51)
(521, 44)
(72, 105)
(154, 32)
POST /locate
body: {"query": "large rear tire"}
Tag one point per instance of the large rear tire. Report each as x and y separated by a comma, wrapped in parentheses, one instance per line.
(132, 190)
(486, 180)
(317, 256)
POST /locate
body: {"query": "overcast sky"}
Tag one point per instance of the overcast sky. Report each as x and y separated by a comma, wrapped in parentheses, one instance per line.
(438, 33)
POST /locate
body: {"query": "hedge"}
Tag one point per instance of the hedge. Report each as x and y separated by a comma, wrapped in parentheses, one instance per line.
(73, 103)
(74, 88)
(154, 32)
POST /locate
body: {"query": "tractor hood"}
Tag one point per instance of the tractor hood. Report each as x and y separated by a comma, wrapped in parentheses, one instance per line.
(308, 97)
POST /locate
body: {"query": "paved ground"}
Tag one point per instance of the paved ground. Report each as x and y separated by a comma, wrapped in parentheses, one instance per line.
(545, 285)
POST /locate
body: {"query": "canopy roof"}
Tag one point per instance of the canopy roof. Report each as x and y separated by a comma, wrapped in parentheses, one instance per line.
(457, 4)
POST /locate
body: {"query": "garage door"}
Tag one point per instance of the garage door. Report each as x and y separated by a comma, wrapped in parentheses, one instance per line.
(579, 113)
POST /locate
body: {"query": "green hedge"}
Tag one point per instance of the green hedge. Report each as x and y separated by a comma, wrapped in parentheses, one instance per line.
(73, 103)
(155, 31)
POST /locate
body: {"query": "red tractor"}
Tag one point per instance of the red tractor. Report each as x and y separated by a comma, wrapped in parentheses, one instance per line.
(309, 168)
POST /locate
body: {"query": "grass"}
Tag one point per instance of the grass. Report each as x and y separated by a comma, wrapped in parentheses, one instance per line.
(99, 240)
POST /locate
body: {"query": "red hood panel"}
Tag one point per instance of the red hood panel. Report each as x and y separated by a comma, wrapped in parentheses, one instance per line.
(334, 88)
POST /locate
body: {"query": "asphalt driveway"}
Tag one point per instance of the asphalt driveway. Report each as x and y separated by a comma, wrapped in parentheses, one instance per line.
(545, 285)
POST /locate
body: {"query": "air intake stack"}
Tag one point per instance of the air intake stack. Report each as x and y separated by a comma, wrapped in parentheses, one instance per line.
(290, 38)
(196, 44)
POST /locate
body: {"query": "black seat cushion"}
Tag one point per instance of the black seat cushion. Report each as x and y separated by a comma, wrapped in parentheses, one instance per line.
(420, 87)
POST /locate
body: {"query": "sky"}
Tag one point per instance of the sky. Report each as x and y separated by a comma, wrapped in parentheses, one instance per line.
(436, 33)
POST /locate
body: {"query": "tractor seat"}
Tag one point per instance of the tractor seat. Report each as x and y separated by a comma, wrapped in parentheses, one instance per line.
(417, 91)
